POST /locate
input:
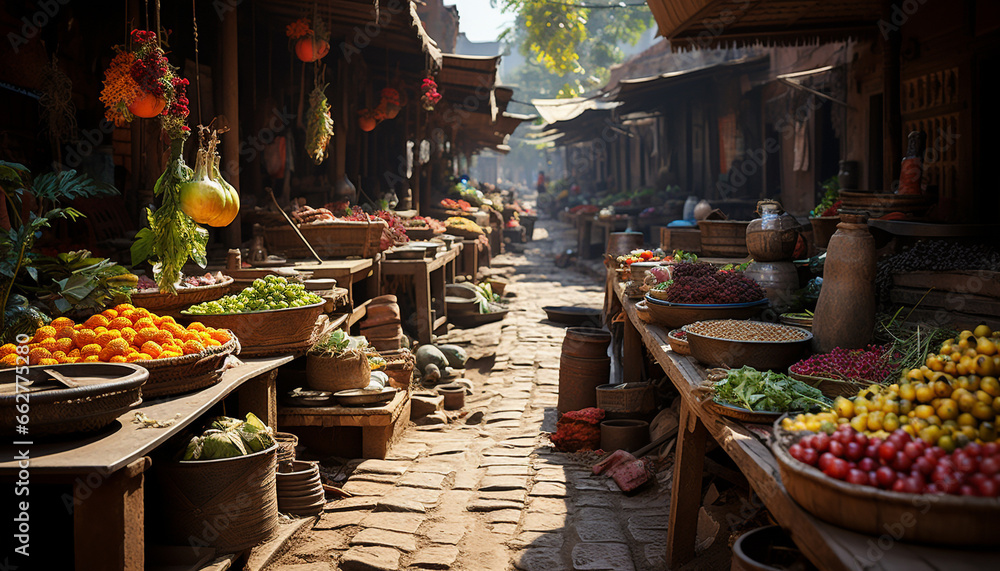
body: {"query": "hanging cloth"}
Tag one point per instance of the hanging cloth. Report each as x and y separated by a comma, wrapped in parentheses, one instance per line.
(800, 155)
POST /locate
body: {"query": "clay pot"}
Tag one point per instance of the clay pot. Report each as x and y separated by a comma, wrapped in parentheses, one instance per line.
(624, 434)
(383, 299)
(381, 314)
(845, 312)
(772, 237)
(367, 123)
(310, 49)
(454, 395)
(702, 210)
(147, 105)
(780, 281)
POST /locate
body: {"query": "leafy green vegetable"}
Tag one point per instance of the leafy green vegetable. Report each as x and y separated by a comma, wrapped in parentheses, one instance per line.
(339, 343)
(82, 282)
(682, 256)
(172, 237)
(765, 391)
(485, 297)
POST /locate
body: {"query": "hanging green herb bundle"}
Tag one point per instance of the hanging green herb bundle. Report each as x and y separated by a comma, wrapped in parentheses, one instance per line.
(319, 125)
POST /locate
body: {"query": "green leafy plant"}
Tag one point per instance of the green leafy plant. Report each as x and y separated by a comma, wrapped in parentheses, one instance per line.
(48, 190)
(766, 391)
(78, 281)
(485, 297)
(338, 344)
(682, 256)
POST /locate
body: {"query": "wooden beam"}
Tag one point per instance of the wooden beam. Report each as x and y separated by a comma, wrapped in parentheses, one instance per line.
(892, 142)
(229, 87)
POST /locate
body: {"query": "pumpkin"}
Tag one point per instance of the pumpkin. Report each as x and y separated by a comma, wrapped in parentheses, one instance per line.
(309, 49)
(147, 105)
(366, 120)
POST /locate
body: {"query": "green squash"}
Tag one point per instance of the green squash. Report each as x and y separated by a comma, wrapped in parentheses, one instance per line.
(456, 355)
(429, 355)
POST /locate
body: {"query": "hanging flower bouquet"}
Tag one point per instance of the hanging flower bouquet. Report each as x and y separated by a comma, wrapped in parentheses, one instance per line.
(140, 82)
(389, 106)
(309, 43)
(430, 95)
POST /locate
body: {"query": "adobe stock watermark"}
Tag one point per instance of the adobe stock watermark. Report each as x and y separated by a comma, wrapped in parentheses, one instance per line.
(32, 25)
(901, 12)
(75, 152)
(224, 7)
(251, 147)
(22, 418)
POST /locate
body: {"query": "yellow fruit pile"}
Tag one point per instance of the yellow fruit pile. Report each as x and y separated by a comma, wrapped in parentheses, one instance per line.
(124, 334)
(953, 399)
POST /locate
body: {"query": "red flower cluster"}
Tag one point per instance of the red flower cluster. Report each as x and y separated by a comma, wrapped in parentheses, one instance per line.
(430, 95)
(150, 68)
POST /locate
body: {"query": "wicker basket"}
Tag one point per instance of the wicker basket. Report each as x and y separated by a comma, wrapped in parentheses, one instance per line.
(271, 332)
(286, 446)
(399, 367)
(939, 519)
(724, 238)
(420, 233)
(337, 374)
(170, 304)
(463, 233)
(230, 504)
(632, 399)
(82, 409)
(338, 239)
(188, 373)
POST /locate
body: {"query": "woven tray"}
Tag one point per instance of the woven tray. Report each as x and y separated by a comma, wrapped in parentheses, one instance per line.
(83, 409)
(188, 373)
(263, 333)
(170, 304)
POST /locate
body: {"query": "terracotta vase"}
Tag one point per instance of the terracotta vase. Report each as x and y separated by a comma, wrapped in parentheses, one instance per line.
(845, 312)
(147, 105)
(310, 49)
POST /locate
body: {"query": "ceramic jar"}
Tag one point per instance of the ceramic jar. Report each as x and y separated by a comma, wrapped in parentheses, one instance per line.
(845, 312)
(772, 237)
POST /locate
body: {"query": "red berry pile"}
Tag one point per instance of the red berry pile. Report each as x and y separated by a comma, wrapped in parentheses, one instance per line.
(901, 463)
(696, 282)
(875, 364)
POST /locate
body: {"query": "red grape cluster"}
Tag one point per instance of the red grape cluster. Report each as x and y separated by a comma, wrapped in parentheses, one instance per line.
(901, 463)
(701, 283)
(875, 364)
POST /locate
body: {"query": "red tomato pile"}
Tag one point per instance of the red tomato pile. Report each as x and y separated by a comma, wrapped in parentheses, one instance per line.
(901, 463)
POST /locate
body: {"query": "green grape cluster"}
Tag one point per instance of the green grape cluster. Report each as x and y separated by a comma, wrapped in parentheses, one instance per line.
(268, 293)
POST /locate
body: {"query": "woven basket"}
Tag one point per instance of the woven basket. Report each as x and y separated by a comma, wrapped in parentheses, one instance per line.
(230, 504)
(286, 446)
(170, 304)
(188, 373)
(420, 233)
(463, 233)
(82, 409)
(337, 374)
(635, 398)
(263, 333)
(338, 239)
(399, 367)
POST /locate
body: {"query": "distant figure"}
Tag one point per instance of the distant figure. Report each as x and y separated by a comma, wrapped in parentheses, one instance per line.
(540, 186)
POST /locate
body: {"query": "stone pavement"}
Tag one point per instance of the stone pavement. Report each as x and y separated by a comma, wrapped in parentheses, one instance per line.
(487, 492)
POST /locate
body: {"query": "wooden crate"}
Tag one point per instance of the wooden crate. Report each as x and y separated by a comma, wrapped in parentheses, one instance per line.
(686, 239)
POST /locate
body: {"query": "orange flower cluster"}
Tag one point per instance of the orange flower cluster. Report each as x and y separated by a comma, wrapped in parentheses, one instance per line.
(298, 29)
(125, 334)
(120, 90)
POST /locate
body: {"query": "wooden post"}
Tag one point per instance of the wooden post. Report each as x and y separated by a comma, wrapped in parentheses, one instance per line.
(685, 493)
(230, 108)
(631, 352)
(260, 396)
(108, 520)
(892, 147)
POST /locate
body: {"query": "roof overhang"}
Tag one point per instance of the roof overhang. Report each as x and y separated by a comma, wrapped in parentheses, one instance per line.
(710, 23)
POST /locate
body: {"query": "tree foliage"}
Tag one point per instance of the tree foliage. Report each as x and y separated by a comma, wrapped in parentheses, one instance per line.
(571, 41)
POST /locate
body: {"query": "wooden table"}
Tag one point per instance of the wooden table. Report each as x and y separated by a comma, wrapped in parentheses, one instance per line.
(429, 277)
(379, 425)
(827, 546)
(106, 471)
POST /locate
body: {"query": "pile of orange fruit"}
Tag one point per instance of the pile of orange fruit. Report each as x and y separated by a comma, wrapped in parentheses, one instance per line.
(125, 334)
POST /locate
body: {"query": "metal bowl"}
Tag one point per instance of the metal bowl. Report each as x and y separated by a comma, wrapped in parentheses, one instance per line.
(761, 355)
(674, 315)
(360, 397)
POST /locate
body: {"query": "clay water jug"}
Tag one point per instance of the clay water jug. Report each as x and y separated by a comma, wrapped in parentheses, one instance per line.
(845, 312)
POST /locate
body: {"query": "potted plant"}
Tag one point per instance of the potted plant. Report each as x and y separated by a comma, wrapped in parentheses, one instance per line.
(338, 362)
(310, 42)
(825, 217)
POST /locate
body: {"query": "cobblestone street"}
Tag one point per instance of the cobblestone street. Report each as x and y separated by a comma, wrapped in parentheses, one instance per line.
(487, 492)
